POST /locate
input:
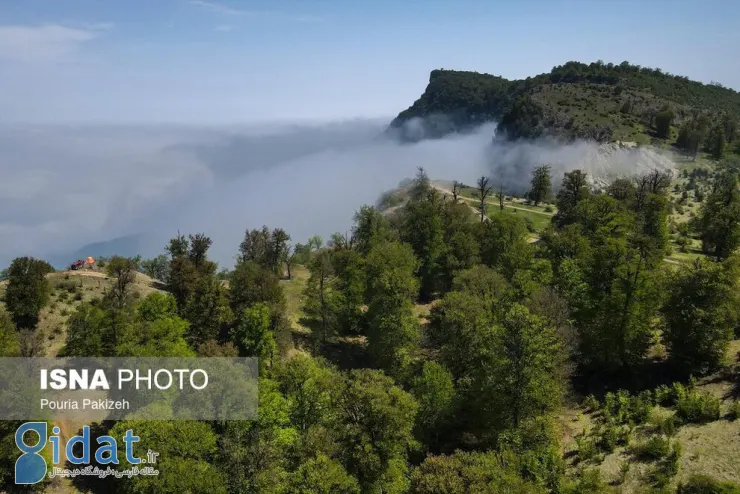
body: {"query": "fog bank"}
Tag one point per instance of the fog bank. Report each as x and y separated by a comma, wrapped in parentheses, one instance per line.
(66, 187)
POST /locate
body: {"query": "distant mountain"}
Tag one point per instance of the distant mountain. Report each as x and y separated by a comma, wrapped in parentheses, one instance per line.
(128, 246)
(605, 102)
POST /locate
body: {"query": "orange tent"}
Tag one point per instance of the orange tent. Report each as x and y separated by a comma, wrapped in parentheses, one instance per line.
(90, 260)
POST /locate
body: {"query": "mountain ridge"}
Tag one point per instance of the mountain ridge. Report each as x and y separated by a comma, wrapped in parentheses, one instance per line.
(600, 101)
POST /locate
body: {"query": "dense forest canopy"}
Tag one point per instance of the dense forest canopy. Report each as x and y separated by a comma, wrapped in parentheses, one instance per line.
(437, 347)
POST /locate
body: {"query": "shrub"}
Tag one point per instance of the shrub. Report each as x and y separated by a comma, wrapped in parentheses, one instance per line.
(624, 469)
(655, 448)
(683, 243)
(734, 412)
(549, 209)
(664, 395)
(590, 481)
(697, 407)
(608, 438)
(703, 484)
(640, 407)
(624, 408)
(587, 450)
(617, 406)
(530, 224)
(667, 426)
(78, 296)
(67, 285)
(674, 457)
(591, 403)
(64, 312)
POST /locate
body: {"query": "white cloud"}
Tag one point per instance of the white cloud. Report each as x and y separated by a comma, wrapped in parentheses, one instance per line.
(49, 42)
(225, 28)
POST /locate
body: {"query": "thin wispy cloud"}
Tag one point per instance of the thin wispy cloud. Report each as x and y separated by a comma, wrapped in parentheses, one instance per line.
(45, 43)
(216, 7)
(225, 28)
(308, 19)
(222, 9)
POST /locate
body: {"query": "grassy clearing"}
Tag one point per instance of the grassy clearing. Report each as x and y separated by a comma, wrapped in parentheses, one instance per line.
(69, 290)
(709, 449)
(539, 221)
(294, 296)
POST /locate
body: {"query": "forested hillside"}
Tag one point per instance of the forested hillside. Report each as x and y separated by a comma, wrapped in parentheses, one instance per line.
(437, 347)
(598, 101)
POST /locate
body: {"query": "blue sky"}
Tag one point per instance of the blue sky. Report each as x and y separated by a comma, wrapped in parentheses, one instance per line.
(202, 61)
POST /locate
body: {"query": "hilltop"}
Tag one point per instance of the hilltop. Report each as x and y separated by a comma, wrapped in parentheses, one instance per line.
(601, 101)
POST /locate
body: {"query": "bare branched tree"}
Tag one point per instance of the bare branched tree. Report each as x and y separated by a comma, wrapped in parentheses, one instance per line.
(456, 187)
(482, 193)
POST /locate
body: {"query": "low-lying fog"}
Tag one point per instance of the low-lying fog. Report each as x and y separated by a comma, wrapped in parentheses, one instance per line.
(62, 188)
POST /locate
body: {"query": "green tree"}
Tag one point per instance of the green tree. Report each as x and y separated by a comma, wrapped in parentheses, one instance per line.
(459, 327)
(503, 243)
(87, 332)
(207, 310)
(320, 294)
(470, 472)
(157, 330)
(349, 290)
(27, 291)
(541, 185)
(393, 330)
(123, 272)
(622, 189)
(663, 121)
(198, 253)
(182, 273)
(715, 144)
(423, 229)
(157, 268)
(572, 191)
(309, 384)
(730, 127)
(253, 334)
(186, 462)
(370, 228)
(254, 453)
(614, 317)
(266, 248)
(251, 284)
(322, 475)
(719, 218)
(375, 421)
(435, 393)
(531, 366)
(462, 250)
(701, 314)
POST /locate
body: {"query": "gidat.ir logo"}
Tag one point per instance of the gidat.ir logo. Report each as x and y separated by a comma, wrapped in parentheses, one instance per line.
(30, 468)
